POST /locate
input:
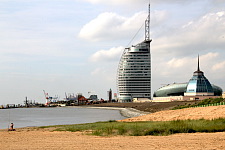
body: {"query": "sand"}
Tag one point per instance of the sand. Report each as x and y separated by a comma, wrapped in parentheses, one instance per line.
(29, 138)
(76, 140)
(209, 113)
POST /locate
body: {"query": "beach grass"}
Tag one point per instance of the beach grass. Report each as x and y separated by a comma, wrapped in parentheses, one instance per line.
(203, 103)
(156, 128)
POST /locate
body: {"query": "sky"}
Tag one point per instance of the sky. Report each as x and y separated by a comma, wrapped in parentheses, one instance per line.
(74, 46)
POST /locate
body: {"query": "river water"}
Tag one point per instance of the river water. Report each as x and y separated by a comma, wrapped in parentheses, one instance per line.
(29, 117)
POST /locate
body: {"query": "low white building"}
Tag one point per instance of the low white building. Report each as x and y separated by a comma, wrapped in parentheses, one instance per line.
(223, 95)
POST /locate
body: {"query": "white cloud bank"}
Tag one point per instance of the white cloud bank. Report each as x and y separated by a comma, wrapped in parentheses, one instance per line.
(117, 2)
(107, 55)
(203, 35)
(111, 26)
(139, 2)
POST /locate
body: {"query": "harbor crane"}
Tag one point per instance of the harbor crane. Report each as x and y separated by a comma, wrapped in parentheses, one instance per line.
(48, 98)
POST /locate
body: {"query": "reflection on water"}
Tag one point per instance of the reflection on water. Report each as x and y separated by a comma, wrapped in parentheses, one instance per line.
(25, 117)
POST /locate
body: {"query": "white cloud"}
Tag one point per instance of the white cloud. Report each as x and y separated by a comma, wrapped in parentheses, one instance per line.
(178, 65)
(107, 55)
(111, 26)
(97, 71)
(219, 66)
(117, 2)
(205, 34)
(209, 56)
(138, 2)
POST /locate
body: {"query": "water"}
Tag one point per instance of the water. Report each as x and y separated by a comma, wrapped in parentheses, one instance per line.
(27, 117)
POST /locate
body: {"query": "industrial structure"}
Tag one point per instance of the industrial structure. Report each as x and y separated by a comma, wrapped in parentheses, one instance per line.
(110, 95)
(134, 70)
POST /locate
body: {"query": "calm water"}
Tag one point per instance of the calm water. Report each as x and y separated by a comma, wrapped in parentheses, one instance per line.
(26, 117)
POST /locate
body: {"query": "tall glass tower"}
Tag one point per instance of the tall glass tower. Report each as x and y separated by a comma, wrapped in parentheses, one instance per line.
(134, 71)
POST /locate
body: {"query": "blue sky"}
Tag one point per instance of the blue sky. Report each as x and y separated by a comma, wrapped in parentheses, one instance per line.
(74, 46)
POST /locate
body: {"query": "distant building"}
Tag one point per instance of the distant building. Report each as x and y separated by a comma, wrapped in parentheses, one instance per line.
(110, 95)
(141, 100)
(93, 97)
(197, 88)
(223, 96)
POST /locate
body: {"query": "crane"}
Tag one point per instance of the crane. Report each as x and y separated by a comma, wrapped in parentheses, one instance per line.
(48, 99)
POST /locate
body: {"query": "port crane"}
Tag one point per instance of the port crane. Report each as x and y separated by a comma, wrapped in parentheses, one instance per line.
(48, 98)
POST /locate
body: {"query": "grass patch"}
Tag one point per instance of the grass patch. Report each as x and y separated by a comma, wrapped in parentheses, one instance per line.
(205, 102)
(162, 128)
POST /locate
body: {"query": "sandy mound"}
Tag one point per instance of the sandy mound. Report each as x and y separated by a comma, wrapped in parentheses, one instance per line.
(208, 113)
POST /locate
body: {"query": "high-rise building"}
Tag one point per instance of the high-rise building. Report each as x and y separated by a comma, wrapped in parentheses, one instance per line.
(134, 71)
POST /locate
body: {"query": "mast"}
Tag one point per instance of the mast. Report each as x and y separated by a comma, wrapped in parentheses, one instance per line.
(198, 64)
(147, 26)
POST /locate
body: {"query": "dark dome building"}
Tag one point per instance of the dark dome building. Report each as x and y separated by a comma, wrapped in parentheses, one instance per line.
(198, 87)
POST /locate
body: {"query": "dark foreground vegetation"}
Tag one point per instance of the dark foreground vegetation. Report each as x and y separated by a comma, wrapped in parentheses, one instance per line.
(113, 128)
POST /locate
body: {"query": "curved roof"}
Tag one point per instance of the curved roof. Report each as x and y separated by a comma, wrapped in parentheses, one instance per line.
(178, 89)
(217, 90)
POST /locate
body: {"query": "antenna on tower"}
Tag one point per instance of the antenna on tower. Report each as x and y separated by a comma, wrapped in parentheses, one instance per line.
(147, 26)
(198, 64)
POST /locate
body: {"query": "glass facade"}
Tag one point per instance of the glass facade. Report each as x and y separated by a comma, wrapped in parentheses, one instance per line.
(199, 84)
(176, 89)
(134, 73)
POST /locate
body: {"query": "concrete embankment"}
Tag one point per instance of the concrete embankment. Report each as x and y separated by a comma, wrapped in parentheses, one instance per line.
(131, 112)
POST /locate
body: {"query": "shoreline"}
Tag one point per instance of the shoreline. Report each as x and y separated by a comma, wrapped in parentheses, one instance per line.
(126, 112)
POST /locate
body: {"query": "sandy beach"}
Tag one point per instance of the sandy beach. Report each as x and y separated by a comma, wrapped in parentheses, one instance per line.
(31, 138)
(74, 140)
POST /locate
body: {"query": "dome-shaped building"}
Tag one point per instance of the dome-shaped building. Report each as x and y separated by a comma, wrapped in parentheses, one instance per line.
(178, 89)
(197, 88)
